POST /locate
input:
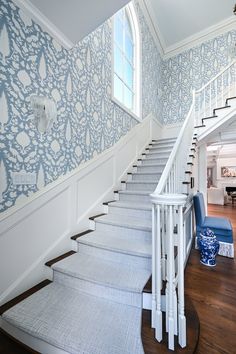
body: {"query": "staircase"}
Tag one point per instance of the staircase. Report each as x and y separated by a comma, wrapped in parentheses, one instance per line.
(95, 300)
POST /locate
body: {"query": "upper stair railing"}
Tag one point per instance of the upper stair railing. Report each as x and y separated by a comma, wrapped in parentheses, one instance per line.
(172, 212)
(214, 94)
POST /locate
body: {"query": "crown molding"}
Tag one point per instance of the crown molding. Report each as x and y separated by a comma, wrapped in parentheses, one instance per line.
(35, 14)
(207, 34)
(198, 38)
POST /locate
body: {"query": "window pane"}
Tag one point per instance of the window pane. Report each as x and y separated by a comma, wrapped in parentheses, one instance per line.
(129, 48)
(118, 62)
(118, 89)
(127, 26)
(128, 98)
(118, 32)
(128, 74)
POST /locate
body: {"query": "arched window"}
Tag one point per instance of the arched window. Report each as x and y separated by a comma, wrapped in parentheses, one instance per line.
(126, 60)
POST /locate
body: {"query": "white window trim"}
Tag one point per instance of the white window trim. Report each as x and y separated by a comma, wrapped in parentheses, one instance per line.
(137, 113)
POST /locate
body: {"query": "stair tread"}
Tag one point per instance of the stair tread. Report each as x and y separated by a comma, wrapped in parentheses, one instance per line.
(125, 221)
(106, 272)
(107, 241)
(130, 205)
(139, 192)
(142, 182)
(146, 173)
(152, 165)
(77, 322)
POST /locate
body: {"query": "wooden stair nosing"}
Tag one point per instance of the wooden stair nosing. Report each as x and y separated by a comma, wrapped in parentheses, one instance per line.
(190, 163)
(188, 172)
(13, 345)
(210, 117)
(107, 203)
(24, 295)
(199, 126)
(59, 258)
(230, 98)
(96, 216)
(81, 234)
(219, 108)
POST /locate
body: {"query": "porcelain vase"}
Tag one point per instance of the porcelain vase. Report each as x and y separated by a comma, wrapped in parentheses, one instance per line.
(209, 247)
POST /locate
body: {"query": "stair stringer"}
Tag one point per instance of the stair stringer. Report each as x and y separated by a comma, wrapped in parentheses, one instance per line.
(224, 118)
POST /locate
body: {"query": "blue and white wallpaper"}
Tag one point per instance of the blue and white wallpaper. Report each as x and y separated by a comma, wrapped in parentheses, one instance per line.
(191, 69)
(88, 122)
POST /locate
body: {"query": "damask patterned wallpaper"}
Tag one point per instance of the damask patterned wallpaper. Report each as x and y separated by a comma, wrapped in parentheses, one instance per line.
(79, 81)
(191, 69)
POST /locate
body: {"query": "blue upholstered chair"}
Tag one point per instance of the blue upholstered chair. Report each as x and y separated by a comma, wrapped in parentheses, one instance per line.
(221, 227)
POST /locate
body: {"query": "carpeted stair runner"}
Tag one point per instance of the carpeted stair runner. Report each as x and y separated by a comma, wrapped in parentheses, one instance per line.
(94, 303)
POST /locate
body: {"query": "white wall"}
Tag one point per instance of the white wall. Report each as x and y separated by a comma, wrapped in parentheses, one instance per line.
(35, 232)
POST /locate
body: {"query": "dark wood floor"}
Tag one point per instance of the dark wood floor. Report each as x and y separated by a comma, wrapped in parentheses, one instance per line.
(213, 293)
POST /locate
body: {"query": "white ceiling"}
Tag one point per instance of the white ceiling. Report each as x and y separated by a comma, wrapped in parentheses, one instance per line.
(176, 20)
(77, 18)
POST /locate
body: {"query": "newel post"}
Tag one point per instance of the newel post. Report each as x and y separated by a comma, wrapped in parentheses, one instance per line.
(167, 230)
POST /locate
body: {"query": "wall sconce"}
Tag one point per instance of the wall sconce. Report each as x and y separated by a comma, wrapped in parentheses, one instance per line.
(45, 112)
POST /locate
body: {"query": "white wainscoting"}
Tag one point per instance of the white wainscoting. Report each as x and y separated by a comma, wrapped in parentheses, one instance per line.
(40, 229)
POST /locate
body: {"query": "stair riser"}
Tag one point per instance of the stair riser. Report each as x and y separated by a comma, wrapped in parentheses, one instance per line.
(150, 168)
(162, 146)
(91, 288)
(135, 198)
(125, 232)
(157, 161)
(140, 186)
(136, 213)
(157, 155)
(160, 150)
(145, 177)
(114, 256)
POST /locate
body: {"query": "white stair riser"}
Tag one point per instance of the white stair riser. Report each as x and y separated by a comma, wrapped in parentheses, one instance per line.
(157, 161)
(162, 150)
(122, 231)
(103, 291)
(136, 213)
(154, 168)
(134, 198)
(153, 154)
(161, 145)
(114, 256)
(140, 186)
(146, 177)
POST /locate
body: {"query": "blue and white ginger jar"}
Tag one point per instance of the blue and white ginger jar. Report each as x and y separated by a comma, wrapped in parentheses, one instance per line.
(209, 247)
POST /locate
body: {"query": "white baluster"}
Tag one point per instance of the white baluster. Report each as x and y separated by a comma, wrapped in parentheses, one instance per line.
(158, 331)
(222, 90)
(170, 280)
(154, 265)
(181, 261)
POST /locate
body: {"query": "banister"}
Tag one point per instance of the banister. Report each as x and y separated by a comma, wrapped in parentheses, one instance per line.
(169, 164)
(216, 77)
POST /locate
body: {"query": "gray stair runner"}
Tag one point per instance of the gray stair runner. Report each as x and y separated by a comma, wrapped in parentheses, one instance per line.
(94, 303)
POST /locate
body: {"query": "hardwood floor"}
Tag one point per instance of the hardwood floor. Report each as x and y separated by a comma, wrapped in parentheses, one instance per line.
(211, 290)
(213, 293)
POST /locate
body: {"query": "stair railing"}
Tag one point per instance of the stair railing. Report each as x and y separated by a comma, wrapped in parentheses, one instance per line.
(215, 92)
(172, 213)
